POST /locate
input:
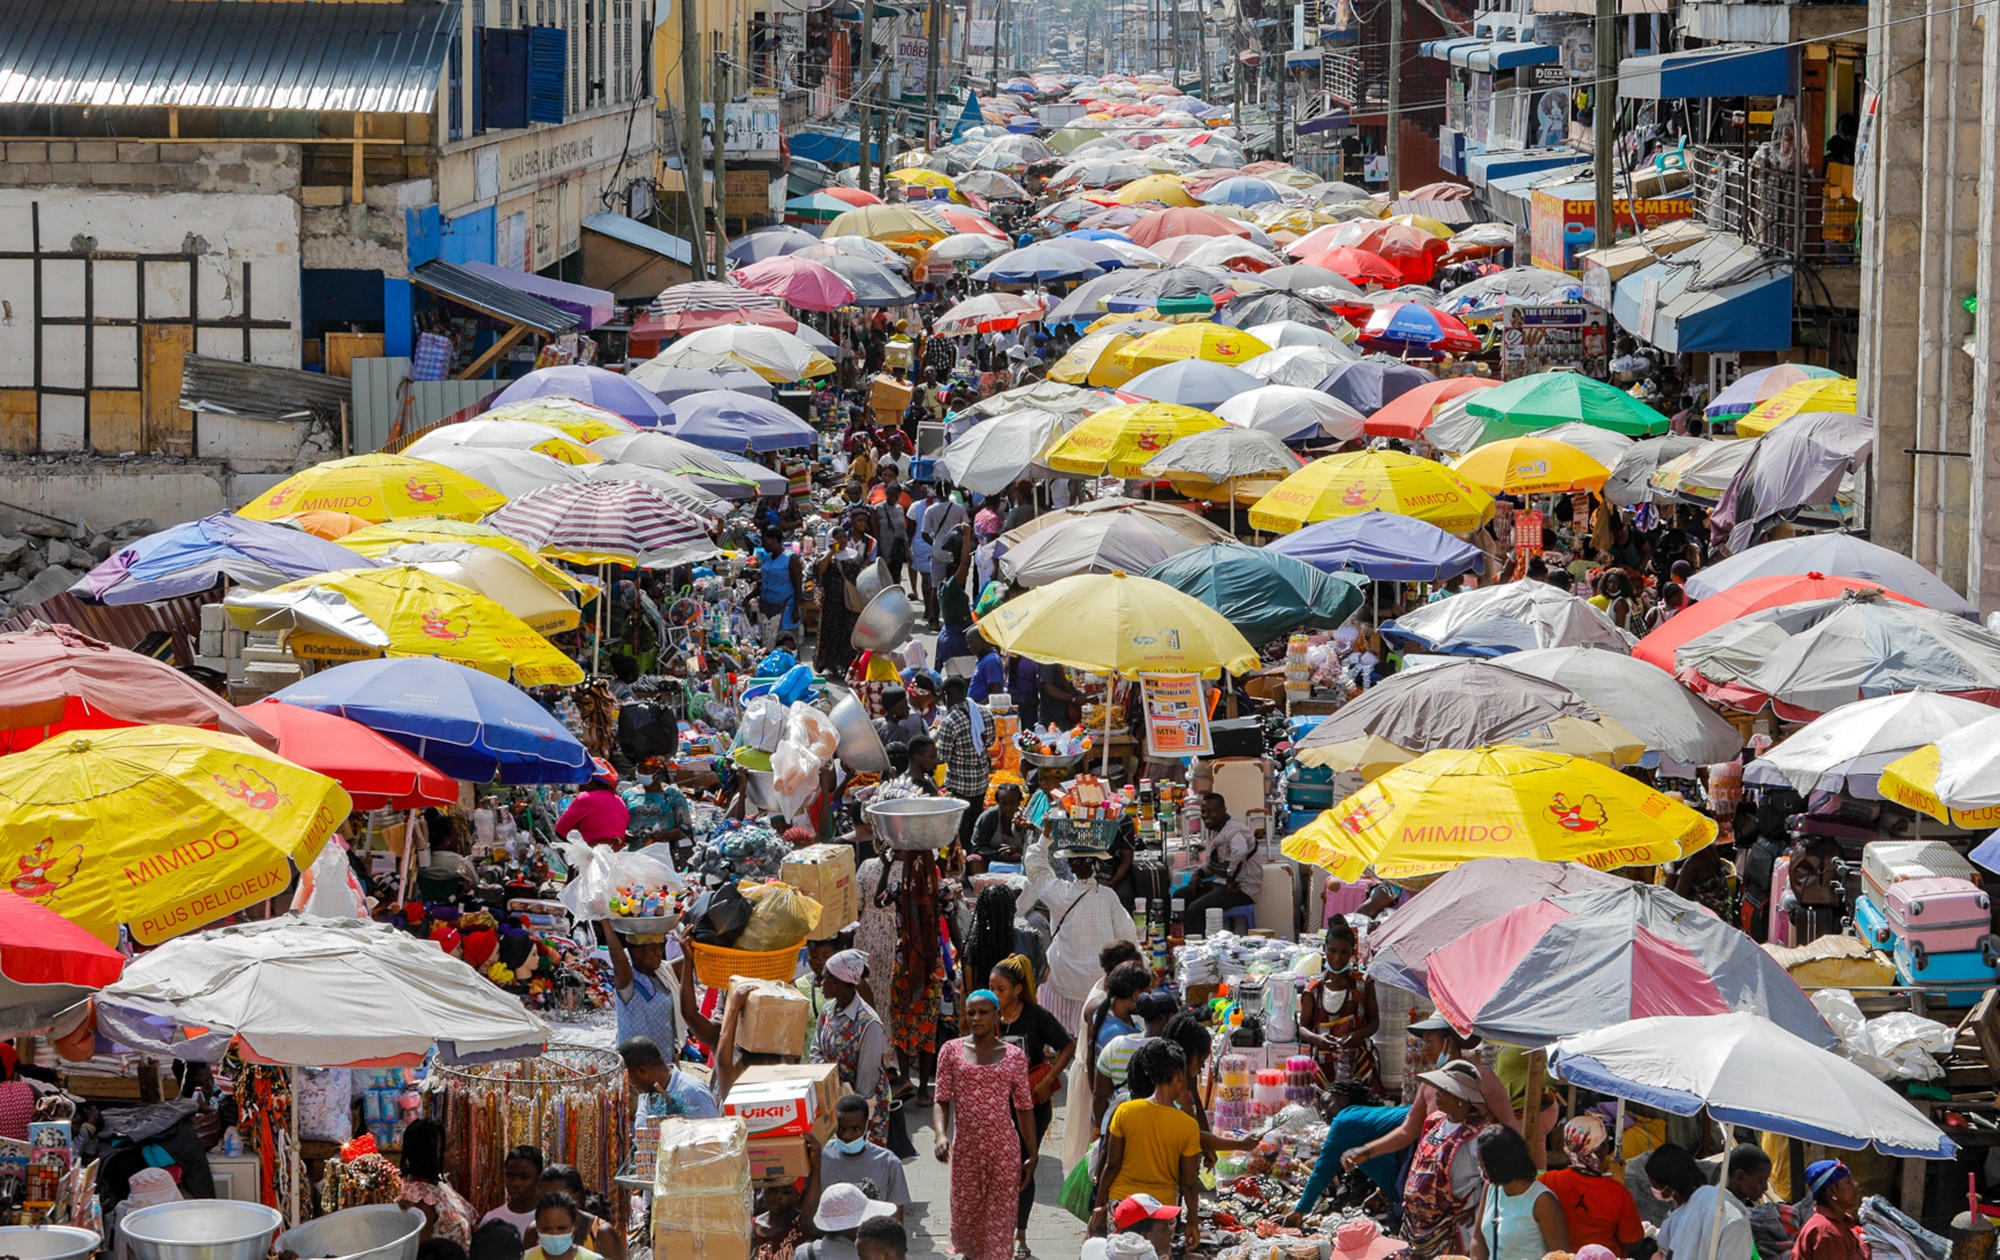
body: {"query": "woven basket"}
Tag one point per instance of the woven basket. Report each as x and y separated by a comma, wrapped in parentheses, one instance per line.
(714, 964)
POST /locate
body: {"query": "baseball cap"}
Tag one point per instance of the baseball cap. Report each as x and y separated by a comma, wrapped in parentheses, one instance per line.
(1141, 1207)
(1436, 1023)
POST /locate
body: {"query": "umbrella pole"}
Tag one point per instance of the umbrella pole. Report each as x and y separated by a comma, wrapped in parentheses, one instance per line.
(1110, 682)
(1721, 1189)
(1232, 507)
(597, 640)
(294, 1170)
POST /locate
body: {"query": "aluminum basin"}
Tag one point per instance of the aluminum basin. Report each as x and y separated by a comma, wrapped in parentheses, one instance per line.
(47, 1242)
(859, 747)
(885, 624)
(918, 823)
(380, 1231)
(202, 1229)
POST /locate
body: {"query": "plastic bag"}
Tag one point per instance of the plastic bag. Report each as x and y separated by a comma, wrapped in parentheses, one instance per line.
(763, 724)
(780, 916)
(813, 729)
(1078, 1195)
(1908, 1042)
(595, 874)
(327, 888)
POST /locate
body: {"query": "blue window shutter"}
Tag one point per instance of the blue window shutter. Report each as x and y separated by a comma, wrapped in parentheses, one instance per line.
(503, 79)
(548, 59)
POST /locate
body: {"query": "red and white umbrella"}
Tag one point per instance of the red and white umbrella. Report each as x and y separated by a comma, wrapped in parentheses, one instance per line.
(988, 312)
(606, 522)
(684, 308)
(47, 964)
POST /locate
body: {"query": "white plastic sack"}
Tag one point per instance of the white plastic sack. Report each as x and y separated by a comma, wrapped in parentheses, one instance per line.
(763, 725)
(595, 874)
(1842, 1014)
(813, 729)
(328, 888)
(1909, 1043)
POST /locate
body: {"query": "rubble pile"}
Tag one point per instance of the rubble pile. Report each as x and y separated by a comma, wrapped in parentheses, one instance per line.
(41, 559)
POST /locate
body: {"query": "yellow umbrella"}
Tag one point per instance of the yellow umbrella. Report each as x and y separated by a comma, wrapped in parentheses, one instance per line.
(161, 828)
(1298, 219)
(499, 577)
(924, 178)
(890, 224)
(1090, 361)
(360, 614)
(1824, 393)
(377, 540)
(1119, 440)
(1165, 189)
(1449, 807)
(1430, 225)
(1912, 781)
(376, 488)
(1530, 465)
(1215, 343)
(1373, 481)
(571, 417)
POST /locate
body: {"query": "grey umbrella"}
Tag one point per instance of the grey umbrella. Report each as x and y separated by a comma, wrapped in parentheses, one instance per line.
(1631, 482)
(873, 284)
(1223, 455)
(1798, 464)
(1465, 704)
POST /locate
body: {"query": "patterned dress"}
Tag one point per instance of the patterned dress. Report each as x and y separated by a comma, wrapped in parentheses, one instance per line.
(1435, 1215)
(839, 1040)
(454, 1214)
(986, 1146)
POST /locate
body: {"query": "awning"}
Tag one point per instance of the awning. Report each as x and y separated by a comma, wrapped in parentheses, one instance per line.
(590, 306)
(1510, 197)
(1720, 295)
(1732, 70)
(1495, 164)
(1332, 120)
(1441, 49)
(489, 297)
(640, 236)
(1488, 58)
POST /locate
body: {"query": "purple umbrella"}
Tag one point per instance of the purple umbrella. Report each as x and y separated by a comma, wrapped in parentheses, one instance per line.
(1798, 464)
(1368, 385)
(593, 385)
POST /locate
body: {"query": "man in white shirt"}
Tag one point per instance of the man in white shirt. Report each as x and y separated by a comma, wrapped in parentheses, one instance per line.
(1232, 869)
(1688, 1231)
(1085, 916)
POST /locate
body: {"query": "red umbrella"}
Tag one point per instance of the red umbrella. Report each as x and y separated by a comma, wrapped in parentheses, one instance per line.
(55, 678)
(966, 221)
(1410, 250)
(1158, 225)
(376, 771)
(47, 964)
(1358, 266)
(853, 196)
(1411, 413)
(1659, 647)
(808, 285)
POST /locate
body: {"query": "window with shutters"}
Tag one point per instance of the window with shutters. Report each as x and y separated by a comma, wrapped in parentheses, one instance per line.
(547, 68)
(621, 50)
(502, 80)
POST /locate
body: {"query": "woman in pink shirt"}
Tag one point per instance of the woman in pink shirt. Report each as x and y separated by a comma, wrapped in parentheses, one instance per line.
(598, 813)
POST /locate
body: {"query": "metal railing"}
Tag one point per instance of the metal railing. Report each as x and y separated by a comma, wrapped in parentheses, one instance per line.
(1772, 208)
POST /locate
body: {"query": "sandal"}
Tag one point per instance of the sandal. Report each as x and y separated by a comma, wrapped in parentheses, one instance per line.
(1021, 1252)
(925, 1098)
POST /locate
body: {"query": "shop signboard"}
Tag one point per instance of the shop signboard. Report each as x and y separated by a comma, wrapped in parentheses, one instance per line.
(1561, 228)
(1562, 335)
(1176, 716)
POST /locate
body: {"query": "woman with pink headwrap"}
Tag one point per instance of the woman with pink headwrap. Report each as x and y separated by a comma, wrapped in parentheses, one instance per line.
(1596, 1205)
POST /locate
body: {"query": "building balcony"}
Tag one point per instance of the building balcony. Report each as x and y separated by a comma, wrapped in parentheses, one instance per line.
(1799, 216)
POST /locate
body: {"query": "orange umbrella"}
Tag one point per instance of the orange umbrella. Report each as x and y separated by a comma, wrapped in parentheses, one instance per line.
(1186, 221)
(1410, 413)
(1358, 266)
(1410, 250)
(325, 524)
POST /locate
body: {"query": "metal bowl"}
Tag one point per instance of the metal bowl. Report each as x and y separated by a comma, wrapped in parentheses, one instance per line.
(48, 1242)
(871, 581)
(860, 747)
(1043, 761)
(885, 624)
(760, 788)
(918, 823)
(202, 1229)
(381, 1231)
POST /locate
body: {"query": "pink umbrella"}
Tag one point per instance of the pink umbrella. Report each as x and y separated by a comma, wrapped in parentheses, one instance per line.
(54, 679)
(808, 285)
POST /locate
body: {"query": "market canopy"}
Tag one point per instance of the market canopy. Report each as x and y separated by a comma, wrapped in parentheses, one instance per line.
(193, 557)
(56, 679)
(1382, 545)
(376, 487)
(1839, 554)
(1846, 749)
(1560, 619)
(1119, 624)
(1551, 398)
(1647, 702)
(1480, 891)
(1262, 593)
(375, 771)
(1369, 480)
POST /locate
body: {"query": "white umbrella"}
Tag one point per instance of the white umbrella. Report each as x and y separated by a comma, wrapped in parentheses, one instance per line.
(1066, 400)
(987, 312)
(509, 472)
(972, 247)
(667, 453)
(1558, 618)
(1292, 411)
(775, 354)
(1303, 366)
(1290, 332)
(1845, 750)
(1223, 455)
(992, 456)
(675, 486)
(1643, 697)
(1113, 541)
(494, 574)
(1838, 555)
(497, 434)
(1602, 445)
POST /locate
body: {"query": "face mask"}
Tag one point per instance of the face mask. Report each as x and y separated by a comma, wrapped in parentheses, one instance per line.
(1342, 969)
(1664, 1196)
(556, 1244)
(855, 1147)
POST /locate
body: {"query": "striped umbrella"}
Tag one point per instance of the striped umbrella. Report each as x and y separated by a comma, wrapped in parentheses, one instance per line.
(708, 304)
(606, 522)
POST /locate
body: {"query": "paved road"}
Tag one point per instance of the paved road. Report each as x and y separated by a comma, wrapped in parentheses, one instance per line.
(1053, 1234)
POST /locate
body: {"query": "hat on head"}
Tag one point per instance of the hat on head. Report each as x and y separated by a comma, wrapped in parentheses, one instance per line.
(152, 1185)
(1595, 1251)
(1434, 1023)
(1361, 1239)
(844, 1207)
(1824, 1174)
(601, 769)
(1141, 1207)
(848, 965)
(1457, 1078)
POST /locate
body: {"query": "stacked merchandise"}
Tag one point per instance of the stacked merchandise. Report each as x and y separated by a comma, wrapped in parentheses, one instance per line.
(1920, 904)
(701, 1190)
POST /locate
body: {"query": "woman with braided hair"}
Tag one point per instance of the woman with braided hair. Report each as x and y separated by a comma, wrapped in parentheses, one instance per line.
(1049, 1048)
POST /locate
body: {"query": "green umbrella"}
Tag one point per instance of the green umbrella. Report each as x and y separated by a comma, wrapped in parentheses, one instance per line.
(1551, 398)
(1262, 593)
(816, 207)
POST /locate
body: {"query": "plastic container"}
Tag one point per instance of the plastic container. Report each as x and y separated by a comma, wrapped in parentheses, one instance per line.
(715, 964)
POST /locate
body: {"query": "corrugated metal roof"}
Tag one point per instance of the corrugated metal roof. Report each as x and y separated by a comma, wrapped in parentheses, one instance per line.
(376, 58)
(123, 625)
(1449, 213)
(257, 392)
(491, 297)
(640, 236)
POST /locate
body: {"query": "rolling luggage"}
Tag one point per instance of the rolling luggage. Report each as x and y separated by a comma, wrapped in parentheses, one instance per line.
(1976, 970)
(1872, 926)
(1889, 862)
(1940, 916)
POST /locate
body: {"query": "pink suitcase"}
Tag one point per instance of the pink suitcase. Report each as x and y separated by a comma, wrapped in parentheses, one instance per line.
(1944, 916)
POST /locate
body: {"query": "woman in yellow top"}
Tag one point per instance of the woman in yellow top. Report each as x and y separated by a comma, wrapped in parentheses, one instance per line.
(556, 1218)
(1154, 1146)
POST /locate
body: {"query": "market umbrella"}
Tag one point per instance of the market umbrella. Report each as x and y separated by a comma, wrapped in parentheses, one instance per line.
(1845, 750)
(686, 308)
(1413, 328)
(1158, 225)
(507, 472)
(1658, 648)
(858, 248)
(986, 312)
(1263, 594)
(1839, 554)
(853, 196)
(1413, 251)
(1602, 445)
(376, 771)
(1066, 400)
(1036, 264)
(776, 356)
(1171, 517)
(679, 490)
(1357, 266)
(874, 284)
(570, 417)
(1579, 961)
(56, 679)
(1382, 545)
(1478, 892)
(1093, 360)
(1191, 383)
(1409, 413)
(378, 541)
(808, 285)
(468, 724)
(1167, 190)
(1362, 481)
(1551, 398)
(1119, 440)
(1631, 477)
(1291, 332)
(724, 420)
(1530, 465)
(1103, 544)
(666, 453)
(1323, 283)
(309, 992)
(889, 224)
(1489, 295)
(1251, 310)
(1292, 412)
(816, 207)
(1138, 289)
(1301, 367)
(1833, 393)
(1224, 454)
(993, 186)
(502, 435)
(770, 242)
(1227, 252)
(593, 385)
(672, 384)
(1560, 619)
(992, 456)
(1368, 385)
(498, 576)
(47, 965)
(1211, 343)
(1450, 806)
(158, 828)
(1744, 1069)
(607, 522)
(376, 488)
(1117, 623)
(1242, 190)
(191, 558)
(320, 524)
(1955, 777)
(1751, 389)
(401, 610)
(967, 247)
(1699, 476)
(1798, 466)
(1650, 705)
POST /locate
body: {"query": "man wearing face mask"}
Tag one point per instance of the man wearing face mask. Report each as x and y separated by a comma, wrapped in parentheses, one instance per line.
(1085, 916)
(851, 1159)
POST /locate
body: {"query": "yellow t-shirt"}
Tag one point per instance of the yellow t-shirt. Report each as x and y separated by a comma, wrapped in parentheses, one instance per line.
(1156, 1139)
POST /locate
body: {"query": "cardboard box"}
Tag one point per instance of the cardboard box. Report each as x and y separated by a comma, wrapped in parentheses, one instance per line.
(823, 1077)
(671, 1244)
(774, 1108)
(825, 872)
(778, 1158)
(774, 1019)
(701, 1200)
(887, 392)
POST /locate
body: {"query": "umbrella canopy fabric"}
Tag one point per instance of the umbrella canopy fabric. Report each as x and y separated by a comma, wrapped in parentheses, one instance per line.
(874, 282)
(191, 558)
(1263, 594)
(770, 242)
(1560, 618)
(679, 490)
(1955, 778)
(1411, 412)
(376, 771)
(1585, 960)
(987, 312)
(466, 723)
(308, 992)
(1183, 220)
(1191, 383)
(331, 526)
(1649, 704)
(1093, 360)
(1382, 545)
(1066, 400)
(967, 247)
(808, 285)
(1302, 367)
(1036, 264)
(1846, 749)
(685, 308)
(570, 417)
(593, 385)
(889, 224)
(505, 435)
(1745, 1069)
(1280, 333)
(1460, 900)
(724, 420)
(1119, 440)
(1117, 623)
(1291, 412)
(607, 522)
(674, 383)
(1530, 465)
(1700, 475)
(1551, 398)
(1801, 465)
(1224, 454)
(508, 472)
(1242, 190)
(1754, 388)
(1602, 445)
(1252, 310)
(1368, 385)
(378, 541)
(1631, 480)
(1213, 343)
(1319, 282)
(1362, 481)
(1451, 806)
(1357, 266)
(776, 356)
(1413, 328)
(376, 488)
(994, 455)
(1658, 648)
(1111, 542)
(47, 965)
(55, 679)
(401, 610)
(707, 469)
(1842, 555)
(1834, 393)
(159, 828)
(1165, 516)
(1460, 705)
(496, 575)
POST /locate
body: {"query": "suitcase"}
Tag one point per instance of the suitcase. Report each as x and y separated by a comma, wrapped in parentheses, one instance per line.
(1151, 880)
(1938, 916)
(1872, 926)
(1889, 862)
(1309, 787)
(1976, 969)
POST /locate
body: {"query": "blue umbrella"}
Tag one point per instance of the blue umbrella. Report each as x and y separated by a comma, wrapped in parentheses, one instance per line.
(1489, 637)
(1036, 263)
(771, 242)
(1368, 385)
(1261, 593)
(189, 558)
(724, 420)
(593, 385)
(1094, 234)
(1192, 383)
(1241, 190)
(470, 725)
(674, 384)
(1383, 545)
(1089, 251)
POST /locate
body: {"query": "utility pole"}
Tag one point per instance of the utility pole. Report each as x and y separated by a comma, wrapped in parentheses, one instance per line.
(1174, 34)
(1393, 142)
(1603, 105)
(866, 94)
(1236, 66)
(935, 22)
(1202, 66)
(719, 83)
(691, 130)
